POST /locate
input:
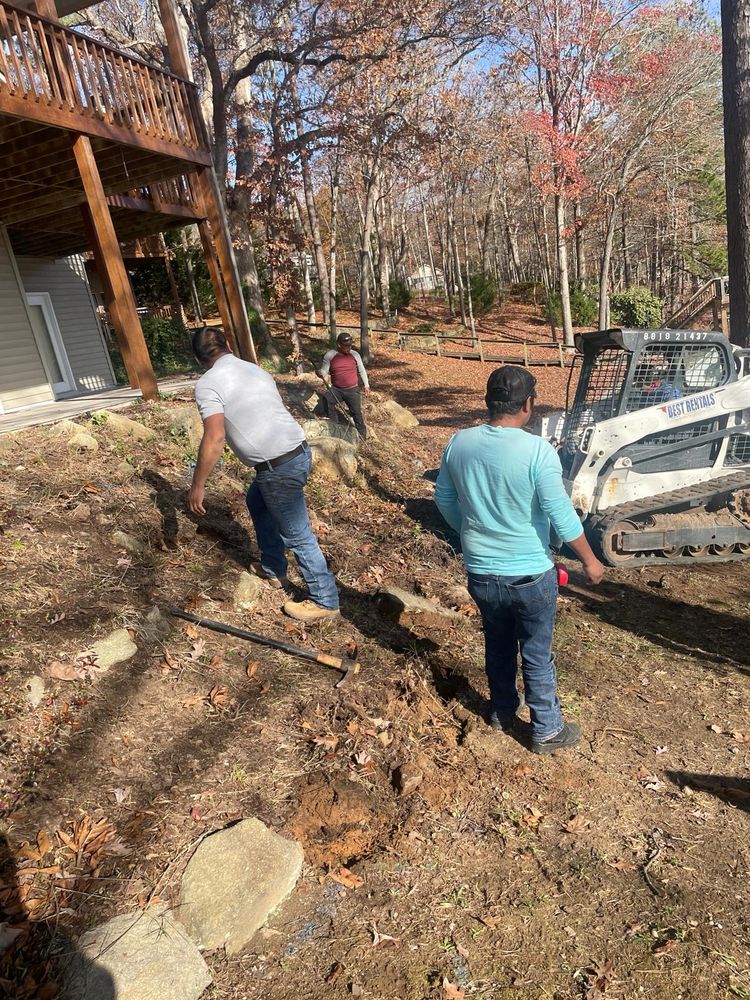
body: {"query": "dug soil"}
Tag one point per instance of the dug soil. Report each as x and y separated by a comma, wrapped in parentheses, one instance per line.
(443, 859)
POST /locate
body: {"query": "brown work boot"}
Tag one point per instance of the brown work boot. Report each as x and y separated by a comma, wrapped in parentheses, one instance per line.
(309, 611)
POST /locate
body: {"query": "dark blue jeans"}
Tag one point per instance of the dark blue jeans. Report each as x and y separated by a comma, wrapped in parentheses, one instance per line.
(520, 616)
(276, 501)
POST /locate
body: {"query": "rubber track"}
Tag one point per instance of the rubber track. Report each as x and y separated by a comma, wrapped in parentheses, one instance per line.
(704, 491)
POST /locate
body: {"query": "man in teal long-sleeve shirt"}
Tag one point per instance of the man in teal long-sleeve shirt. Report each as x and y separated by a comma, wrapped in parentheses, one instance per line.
(501, 488)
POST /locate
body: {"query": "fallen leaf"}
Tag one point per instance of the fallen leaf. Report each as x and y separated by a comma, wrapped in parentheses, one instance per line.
(378, 938)
(199, 648)
(265, 687)
(385, 737)
(335, 972)
(531, 818)
(62, 671)
(623, 866)
(740, 737)
(197, 814)
(660, 750)
(522, 771)
(362, 759)
(576, 824)
(491, 921)
(451, 991)
(217, 696)
(216, 661)
(632, 929)
(193, 700)
(665, 947)
(346, 878)
(252, 669)
(43, 842)
(327, 742)
(352, 728)
(191, 631)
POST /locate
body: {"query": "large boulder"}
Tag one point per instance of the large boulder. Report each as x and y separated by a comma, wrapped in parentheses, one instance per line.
(316, 429)
(122, 426)
(137, 956)
(409, 609)
(397, 415)
(185, 422)
(334, 458)
(234, 882)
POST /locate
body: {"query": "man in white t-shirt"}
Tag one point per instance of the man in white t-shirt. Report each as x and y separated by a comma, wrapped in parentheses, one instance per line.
(241, 406)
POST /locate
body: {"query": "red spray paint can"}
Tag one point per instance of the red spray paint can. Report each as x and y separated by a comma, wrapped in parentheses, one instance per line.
(562, 575)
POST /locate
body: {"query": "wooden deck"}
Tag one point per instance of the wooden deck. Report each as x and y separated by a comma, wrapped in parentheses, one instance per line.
(55, 76)
(68, 409)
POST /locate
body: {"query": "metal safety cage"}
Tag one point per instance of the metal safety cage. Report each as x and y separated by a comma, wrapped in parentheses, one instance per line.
(600, 386)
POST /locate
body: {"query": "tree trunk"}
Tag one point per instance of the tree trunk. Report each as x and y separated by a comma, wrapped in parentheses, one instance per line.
(609, 239)
(335, 180)
(562, 269)
(299, 230)
(735, 30)
(383, 271)
(429, 242)
(469, 303)
(195, 299)
(372, 193)
(580, 246)
(312, 213)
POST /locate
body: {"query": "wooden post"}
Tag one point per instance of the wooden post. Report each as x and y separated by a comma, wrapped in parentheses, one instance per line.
(46, 8)
(216, 280)
(176, 48)
(110, 265)
(213, 207)
(177, 307)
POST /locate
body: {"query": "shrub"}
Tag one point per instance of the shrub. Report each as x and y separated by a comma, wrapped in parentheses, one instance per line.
(529, 292)
(399, 294)
(483, 293)
(584, 309)
(422, 328)
(635, 307)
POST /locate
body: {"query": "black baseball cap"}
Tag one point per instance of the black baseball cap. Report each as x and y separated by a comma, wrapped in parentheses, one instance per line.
(510, 384)
(344, 338)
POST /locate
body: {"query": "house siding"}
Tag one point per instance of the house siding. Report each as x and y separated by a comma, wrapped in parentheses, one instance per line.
(65, 281)
(23, 380)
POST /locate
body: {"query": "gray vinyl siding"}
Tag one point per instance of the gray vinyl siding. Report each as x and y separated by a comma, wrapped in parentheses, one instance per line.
(23, 380)
(65, 282)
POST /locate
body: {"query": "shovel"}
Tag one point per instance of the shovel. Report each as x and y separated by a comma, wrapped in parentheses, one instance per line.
(348, 665)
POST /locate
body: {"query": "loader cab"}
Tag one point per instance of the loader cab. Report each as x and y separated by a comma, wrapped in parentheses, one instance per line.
(622, 371)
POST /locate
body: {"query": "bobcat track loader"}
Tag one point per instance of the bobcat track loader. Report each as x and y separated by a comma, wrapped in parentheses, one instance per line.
(655, 448)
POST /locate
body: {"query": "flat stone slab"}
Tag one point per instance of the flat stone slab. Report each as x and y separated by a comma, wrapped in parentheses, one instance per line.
(402, 606)
(123, 426)
(234, 882)
(115, 648)
(138, 956)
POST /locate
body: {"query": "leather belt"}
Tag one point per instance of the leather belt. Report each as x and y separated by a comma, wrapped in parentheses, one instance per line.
(274, 463)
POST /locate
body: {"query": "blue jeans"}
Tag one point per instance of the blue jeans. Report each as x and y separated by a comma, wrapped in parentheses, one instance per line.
(520, 615)
(276, 501)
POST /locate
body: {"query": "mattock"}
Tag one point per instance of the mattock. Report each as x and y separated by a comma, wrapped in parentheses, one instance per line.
(348, 665)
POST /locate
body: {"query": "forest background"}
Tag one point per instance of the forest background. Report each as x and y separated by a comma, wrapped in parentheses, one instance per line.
(566, 150)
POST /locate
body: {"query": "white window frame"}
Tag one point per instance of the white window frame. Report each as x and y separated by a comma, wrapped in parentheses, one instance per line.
(44, 300)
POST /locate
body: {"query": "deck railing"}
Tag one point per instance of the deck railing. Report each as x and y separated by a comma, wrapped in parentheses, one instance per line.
(54, 69)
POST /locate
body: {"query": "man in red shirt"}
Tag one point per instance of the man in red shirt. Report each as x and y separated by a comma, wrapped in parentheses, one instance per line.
(346, 369)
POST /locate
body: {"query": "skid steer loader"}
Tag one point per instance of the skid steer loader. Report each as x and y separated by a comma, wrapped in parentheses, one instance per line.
(655, 447)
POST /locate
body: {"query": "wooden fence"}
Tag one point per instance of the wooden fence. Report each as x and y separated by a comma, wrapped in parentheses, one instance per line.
(478, 349)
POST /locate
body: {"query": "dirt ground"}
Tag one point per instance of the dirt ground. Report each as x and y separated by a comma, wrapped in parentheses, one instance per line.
(618, 870)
